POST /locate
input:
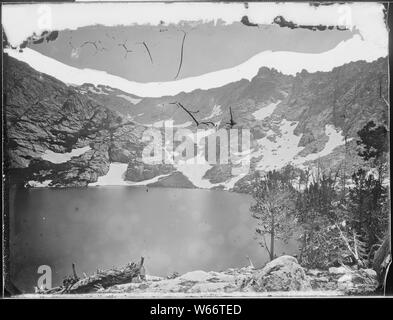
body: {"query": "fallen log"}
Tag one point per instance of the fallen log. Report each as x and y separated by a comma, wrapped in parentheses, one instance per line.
(101, 279)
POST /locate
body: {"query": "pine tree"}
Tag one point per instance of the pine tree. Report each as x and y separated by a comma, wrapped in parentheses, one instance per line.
(273, 208)
(366, 206)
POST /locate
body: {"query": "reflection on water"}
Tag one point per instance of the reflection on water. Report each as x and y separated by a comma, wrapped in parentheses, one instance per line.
(174, 229)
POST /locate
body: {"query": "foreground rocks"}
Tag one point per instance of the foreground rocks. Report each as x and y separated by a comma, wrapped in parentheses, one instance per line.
(344, 279)
(198, 282)
(282, 276)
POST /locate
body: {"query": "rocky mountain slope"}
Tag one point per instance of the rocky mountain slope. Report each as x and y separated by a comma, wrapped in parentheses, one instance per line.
(63, 135)
(346, 97)
(47, 119)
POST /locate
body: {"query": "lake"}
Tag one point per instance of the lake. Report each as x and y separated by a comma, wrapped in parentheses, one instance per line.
(100, 227)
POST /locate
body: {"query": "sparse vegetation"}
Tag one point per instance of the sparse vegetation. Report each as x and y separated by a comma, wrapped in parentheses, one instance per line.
(274, 205)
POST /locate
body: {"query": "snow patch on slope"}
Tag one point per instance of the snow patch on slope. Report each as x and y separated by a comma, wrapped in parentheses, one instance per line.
(215, 112)
(266, 111)
(281, 149)
(129, 99)
(353, 49)
(55, 157)
(335, 139)
(37, 184)
(148, 181)
(116, 176)
(196, 167)
(278, 149)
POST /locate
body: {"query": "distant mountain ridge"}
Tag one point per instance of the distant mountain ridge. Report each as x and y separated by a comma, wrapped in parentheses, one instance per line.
(311, 114)
(347, 95)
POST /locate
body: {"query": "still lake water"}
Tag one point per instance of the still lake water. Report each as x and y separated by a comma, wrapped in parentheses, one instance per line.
(101, 227)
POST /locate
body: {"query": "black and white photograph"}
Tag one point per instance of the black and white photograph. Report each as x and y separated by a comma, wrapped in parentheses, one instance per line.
(196, 149)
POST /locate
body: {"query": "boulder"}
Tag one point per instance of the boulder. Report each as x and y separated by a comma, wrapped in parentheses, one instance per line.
(282, 274)
(363, 281)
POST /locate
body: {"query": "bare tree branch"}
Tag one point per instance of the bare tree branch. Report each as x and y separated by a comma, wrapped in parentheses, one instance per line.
(190, 113)
(231, 123)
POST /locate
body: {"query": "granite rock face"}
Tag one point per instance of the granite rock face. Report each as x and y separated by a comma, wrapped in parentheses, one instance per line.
(45, 116)
(345, 99)
(282, 274)
(137, 170)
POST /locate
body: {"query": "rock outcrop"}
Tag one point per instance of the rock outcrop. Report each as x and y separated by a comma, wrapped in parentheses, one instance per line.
(349, 281)
(362, 282)
(45, 116)
(281, 274)
(137, 170)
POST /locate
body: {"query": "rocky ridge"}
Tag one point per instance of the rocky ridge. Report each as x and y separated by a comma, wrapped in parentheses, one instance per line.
(45, 116)
(271, 104)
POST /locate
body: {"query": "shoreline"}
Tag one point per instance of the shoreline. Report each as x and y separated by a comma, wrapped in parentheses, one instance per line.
(130, 186)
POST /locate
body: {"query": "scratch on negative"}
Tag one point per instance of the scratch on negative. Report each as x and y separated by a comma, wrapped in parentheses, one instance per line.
(181, 54)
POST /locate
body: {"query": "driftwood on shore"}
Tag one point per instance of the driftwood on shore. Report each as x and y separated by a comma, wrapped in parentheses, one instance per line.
(101, 279)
